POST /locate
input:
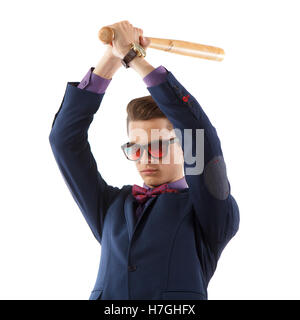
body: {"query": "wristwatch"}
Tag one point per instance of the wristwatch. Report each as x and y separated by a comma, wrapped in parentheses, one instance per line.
(135, 50)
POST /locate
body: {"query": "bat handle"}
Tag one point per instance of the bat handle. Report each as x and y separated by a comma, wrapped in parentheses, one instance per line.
(106, 35)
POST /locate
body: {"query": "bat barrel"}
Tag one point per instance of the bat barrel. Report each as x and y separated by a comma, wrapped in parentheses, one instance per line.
(187, 48)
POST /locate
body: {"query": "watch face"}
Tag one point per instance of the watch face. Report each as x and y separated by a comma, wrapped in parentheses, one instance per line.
(140, 49)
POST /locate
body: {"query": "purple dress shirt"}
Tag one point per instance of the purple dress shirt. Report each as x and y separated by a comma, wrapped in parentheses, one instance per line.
(178, 184)
(94, 83)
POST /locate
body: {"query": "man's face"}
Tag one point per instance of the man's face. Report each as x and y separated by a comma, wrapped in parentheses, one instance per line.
(167, 169)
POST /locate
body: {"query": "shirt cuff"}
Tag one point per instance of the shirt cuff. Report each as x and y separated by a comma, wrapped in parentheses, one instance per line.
(94, 83)
(155, 77)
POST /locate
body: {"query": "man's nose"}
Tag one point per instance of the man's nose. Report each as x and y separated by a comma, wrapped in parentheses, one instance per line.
(145, 158)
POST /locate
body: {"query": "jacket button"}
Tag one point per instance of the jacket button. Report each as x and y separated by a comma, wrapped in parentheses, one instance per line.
(132, 268)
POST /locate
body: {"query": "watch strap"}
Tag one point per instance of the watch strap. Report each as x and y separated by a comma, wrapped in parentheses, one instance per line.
(128, 57)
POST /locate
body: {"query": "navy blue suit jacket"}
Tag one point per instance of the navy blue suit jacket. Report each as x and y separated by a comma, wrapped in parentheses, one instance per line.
(172, 251)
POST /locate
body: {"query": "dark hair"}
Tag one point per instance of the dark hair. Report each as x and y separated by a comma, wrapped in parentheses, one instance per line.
(144, 108)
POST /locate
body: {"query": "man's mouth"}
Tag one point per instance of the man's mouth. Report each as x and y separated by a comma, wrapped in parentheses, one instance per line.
(149, 170)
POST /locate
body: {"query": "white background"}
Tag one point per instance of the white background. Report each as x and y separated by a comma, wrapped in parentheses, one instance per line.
(47, 250)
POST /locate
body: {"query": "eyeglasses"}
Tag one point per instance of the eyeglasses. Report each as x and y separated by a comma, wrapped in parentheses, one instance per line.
(156, 149)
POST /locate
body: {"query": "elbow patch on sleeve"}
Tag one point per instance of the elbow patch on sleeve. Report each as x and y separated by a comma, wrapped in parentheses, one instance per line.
(215, 178)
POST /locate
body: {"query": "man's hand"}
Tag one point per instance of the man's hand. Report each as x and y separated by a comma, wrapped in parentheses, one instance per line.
(144, 41)
(111, 61)
(125, 33)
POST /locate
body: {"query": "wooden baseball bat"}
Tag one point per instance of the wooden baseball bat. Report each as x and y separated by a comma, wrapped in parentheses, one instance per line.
(186, 48)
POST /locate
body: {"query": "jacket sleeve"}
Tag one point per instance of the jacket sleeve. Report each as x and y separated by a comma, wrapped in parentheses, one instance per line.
(216, 209)
(69, 143)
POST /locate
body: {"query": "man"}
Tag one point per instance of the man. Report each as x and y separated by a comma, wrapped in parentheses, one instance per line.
(162, 240)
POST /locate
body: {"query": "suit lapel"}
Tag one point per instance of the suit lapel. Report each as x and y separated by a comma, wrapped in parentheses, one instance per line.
(129, 214)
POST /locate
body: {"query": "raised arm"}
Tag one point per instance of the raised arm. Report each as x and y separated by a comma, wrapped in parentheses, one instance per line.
(215, 207)
(71, 149)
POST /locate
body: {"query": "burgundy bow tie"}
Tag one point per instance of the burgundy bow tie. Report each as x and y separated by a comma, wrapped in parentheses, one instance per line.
(142, 194)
